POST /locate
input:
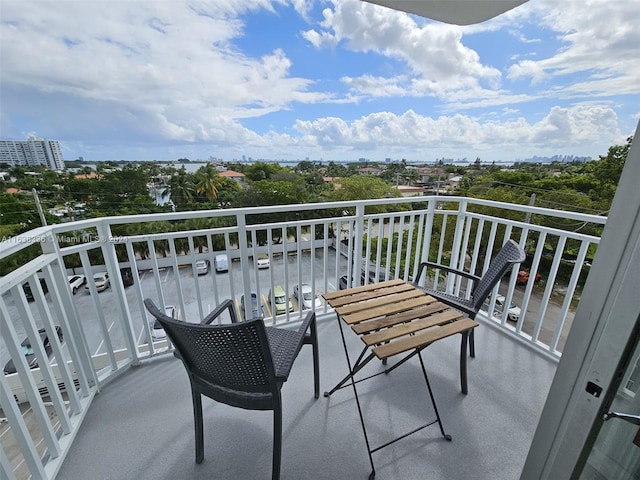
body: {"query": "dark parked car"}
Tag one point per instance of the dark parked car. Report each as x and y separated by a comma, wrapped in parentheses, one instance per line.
(27, 289)
(342, 284)
(127, 276)
(27, 350)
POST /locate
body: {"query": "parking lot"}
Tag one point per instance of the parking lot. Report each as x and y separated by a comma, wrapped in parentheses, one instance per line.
(194, 296)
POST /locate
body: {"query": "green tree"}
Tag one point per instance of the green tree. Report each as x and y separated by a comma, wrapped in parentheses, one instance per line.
(362, 187)
(336, 170)
(207, 182)
(180, 189)
(261, 171)
(18, 213)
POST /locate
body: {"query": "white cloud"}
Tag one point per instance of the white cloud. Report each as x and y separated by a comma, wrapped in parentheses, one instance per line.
(560, 128)
(527, 69)
(434, 53)
(172, 62)
(600, 43)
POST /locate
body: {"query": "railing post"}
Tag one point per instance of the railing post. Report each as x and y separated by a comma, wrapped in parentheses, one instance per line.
(458, 234)
(113, 269)
(21, 434)
(76, 342)
(457, 242)
(357, 244)
(241, 222)
(426, 236)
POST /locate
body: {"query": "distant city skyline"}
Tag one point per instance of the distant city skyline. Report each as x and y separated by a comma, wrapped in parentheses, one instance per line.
(199, 161)
(336, 80)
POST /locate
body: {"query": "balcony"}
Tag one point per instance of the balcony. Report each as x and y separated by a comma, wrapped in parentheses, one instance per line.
(86, 409)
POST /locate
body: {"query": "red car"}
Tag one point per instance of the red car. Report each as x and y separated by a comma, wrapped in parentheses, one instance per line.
(523, 277)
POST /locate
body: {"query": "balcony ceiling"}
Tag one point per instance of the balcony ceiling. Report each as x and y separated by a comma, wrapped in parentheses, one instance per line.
(141, 424)
(458, 12)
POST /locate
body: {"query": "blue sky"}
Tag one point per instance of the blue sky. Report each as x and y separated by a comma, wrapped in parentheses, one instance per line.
(331, 80)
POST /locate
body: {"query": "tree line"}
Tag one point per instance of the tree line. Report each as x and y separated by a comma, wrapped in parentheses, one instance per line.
(124, 189)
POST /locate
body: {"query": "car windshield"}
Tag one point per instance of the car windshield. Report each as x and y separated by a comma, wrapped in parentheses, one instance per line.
(307, 295)
(280, 300)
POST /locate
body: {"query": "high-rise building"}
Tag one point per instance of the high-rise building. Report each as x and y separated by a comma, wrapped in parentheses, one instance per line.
(32, 152)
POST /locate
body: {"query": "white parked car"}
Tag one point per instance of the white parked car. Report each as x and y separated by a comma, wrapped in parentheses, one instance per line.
(262, 260)
(76, 282)
(221, 262)
(157, 332)
(101, 280)
(305, 297)
(513, 314)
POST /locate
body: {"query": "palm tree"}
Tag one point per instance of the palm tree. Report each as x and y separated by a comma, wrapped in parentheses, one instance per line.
(180, 189)
(207, 182)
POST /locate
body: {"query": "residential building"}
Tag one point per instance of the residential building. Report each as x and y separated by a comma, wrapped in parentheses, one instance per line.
(32, 152)
(410, 190)
(232, 175)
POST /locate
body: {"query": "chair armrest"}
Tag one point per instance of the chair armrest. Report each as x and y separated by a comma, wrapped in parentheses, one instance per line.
(227, 304)
(309, 321)
(446, 268)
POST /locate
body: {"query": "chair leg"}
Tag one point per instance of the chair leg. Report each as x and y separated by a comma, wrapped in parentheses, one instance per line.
(197, 418)
(312, 339)
(277, 439)
(472, 345)
(316, 361)
(463, 361)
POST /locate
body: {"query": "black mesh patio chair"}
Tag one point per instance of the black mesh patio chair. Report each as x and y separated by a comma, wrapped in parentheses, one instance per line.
(240, 364)
(510, 254)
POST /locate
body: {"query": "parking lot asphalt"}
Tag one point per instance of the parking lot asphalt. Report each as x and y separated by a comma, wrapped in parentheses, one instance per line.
(194, 296)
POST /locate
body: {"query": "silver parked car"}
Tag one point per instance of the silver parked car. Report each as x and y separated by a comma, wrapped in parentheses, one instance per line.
(305, 298)
(202, 267)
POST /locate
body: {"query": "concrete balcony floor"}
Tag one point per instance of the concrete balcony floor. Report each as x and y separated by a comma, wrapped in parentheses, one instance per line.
(141, 424)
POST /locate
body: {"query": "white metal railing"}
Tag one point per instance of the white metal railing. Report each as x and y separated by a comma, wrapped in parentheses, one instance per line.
(323, 245)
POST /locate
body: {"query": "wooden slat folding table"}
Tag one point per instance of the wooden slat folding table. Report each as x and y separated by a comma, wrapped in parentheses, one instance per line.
(393, 318)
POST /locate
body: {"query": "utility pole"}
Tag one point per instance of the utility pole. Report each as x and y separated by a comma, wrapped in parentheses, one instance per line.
(532, 201)
(39, 207)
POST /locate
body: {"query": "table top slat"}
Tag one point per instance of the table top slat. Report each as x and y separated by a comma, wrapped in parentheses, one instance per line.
(386, 308)
(424, 338)
(402, 317)
(382, 298)
(422, 324)
(362, 296)
(328, 296)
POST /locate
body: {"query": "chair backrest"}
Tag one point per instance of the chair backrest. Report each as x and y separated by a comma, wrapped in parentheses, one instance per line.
(510, 254)
(234, 356)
